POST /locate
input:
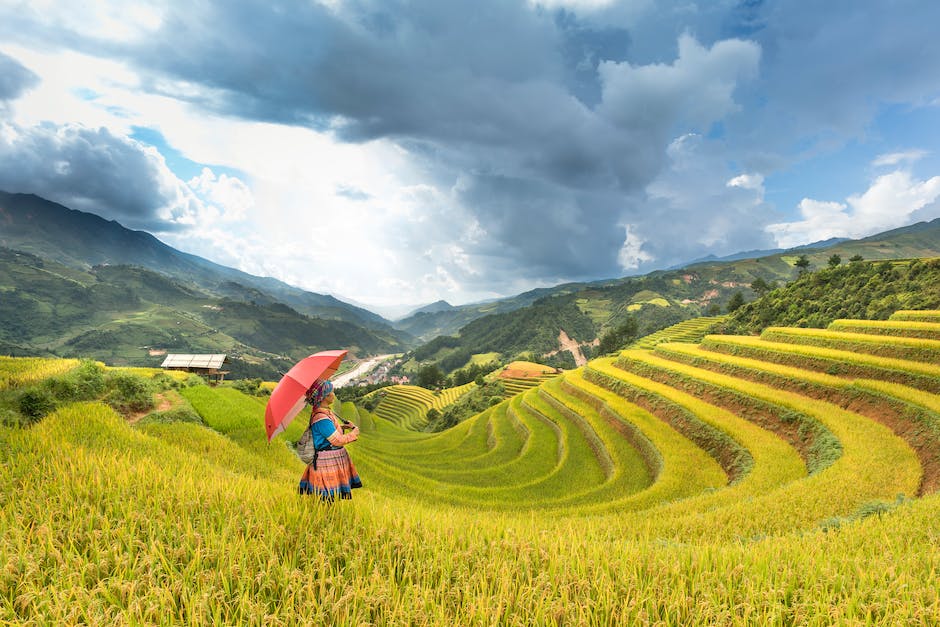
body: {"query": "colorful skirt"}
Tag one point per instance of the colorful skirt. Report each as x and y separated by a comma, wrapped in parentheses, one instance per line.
(334, 477)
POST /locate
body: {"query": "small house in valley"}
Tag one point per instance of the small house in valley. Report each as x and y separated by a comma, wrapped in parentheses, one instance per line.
(207, 366)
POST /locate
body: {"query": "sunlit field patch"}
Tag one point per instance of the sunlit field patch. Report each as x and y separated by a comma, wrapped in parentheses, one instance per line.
(581, 500)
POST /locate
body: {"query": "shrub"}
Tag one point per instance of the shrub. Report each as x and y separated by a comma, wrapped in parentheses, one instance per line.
(251, 387)
(163, 382)
(129, 393)
(471, 403)
(35, 403)
(193, 380)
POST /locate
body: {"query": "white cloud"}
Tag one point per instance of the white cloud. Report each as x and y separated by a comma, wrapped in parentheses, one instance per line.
(286, 220)
(695, 207)
(890, 202)
(122, 20)
(228, 196)
(748, 181)
(891, 199)
(93, 169)
(631, 254)
(472, 145)
(695, 90)
(821, 220)
(896, 158)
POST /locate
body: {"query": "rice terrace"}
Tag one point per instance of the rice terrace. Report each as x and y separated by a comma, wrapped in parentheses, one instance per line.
(470, 313)
(789, 478)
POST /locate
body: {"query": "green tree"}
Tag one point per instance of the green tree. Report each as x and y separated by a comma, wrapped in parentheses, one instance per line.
(802, 263)
(760, 286)
(429, 377)
(129, 393)
(835, 260)
(736, 301)
(856, 258)
(618, 337)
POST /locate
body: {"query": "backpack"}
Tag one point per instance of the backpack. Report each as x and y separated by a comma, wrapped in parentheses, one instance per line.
(306, 449)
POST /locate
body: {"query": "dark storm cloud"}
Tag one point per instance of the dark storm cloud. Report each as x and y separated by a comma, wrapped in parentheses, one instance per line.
(90, 170)
(552, 126)
(14, 78)
(495, 93)
(537, 111)
(487, 80)
(556, 231)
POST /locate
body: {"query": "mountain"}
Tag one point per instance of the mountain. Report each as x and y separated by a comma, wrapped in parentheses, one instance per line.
(576, 315)
(753, 254)
(917, 240)
(83, 240)
(435, 320)
(435, 307)
(129, 315)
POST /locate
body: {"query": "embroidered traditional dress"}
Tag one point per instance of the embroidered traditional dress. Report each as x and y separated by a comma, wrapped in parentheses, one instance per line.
(332, 474)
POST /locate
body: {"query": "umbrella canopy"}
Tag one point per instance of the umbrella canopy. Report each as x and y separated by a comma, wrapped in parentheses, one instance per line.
(287, 399)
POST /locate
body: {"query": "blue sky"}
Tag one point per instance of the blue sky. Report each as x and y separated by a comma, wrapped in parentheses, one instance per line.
(398, 152)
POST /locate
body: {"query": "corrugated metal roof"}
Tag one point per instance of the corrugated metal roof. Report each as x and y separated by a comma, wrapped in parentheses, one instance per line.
(193, 361)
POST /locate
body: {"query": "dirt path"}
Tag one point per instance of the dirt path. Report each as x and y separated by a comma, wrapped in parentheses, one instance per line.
(568, 344)
(162, 404)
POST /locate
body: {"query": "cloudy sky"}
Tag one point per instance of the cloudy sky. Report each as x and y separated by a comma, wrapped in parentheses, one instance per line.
(396, 152)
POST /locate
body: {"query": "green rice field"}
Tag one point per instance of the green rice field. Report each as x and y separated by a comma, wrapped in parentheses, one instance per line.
(786, 479)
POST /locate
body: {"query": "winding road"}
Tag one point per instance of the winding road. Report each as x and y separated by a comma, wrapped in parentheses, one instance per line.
(362, 368)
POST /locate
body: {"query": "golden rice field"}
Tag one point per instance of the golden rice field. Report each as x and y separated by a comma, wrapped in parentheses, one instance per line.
(788, 479)
(20, 371)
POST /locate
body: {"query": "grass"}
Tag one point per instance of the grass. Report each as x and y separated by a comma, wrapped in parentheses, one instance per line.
(20, 371)
(482, 359)
(567, 504)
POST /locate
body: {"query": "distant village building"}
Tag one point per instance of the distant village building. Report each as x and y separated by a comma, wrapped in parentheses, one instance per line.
(207, 366)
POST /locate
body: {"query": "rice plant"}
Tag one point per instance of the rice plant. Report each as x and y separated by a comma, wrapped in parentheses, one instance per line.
(579, 501)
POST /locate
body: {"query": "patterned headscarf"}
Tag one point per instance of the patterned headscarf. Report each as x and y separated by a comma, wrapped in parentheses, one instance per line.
(318, 391)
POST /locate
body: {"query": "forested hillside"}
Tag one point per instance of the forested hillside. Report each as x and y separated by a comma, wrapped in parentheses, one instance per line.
(127, 315)
(698, 288)
(865, 290)
(588, 312)
(82, 240)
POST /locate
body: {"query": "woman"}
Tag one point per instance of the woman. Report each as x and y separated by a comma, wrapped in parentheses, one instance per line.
(331, 474)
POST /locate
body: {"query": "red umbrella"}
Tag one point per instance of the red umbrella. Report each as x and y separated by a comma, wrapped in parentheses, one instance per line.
(287, 399)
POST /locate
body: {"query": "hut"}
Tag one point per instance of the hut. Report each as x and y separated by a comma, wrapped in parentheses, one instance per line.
(207, 366)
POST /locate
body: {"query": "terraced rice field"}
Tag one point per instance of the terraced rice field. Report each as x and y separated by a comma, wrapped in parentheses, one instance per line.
(520, 376)
(790, 478)
(407, 405)
(692, 330)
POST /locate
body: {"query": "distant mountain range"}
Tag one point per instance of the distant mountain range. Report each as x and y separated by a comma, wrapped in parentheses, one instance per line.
(724, 275)
(532, 323)
(73, 283)
(82, 240)
(754, 254)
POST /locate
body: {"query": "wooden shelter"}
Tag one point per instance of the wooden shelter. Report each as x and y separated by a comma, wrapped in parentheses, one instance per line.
(208, 366)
